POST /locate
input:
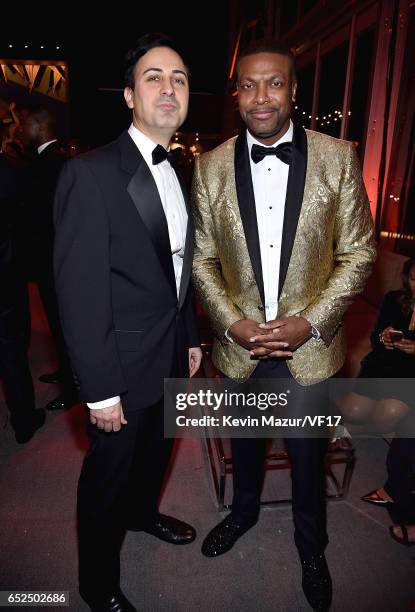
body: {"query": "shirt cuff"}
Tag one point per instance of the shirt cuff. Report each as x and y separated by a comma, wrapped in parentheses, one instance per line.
(111, 401)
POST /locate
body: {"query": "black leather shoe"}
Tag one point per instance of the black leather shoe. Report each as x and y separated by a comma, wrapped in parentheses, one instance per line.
(62, 401)
(114, 603)
(53, 378)
(25, 435)
(374, 498)
(168, 529)
(223, 536)
(316, 583)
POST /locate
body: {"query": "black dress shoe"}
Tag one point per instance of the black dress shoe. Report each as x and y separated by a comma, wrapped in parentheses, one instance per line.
(374, 498)
(114, 603)
(223, 536)
(25, 435)
(53, 378)
(63, 401)
(168, 529)
(316, 583)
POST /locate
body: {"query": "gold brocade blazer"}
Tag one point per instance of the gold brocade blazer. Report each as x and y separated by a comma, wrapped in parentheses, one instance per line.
(327, 248)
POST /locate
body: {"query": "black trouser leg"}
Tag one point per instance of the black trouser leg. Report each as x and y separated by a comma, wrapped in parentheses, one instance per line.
(116, 476)
(400, 484)
(308, 494)
(14, 368)
(46, 284)
(307, 467)
(149, 464)
(248, 456)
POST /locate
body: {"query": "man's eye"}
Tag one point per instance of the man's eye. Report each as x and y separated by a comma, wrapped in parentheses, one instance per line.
(180, 81)
(247, 86)
(154, 77)
(278, 84)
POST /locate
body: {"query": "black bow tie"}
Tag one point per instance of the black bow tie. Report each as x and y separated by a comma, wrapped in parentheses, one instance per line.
(283, 151)
(159, 154)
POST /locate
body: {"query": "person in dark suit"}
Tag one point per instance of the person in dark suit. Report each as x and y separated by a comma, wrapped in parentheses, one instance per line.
(123, 255)
(284, 241)
(39, 131)
(14, 365)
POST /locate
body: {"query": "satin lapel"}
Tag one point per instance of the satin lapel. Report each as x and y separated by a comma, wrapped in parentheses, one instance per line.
(143, 192)
(293, 200)
(246, 203)
(189, 244)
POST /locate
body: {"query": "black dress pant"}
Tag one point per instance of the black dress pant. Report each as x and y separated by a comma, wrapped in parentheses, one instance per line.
(400, 464)
(306, 456)
(14, 369)
(119, 484)
(46, 283)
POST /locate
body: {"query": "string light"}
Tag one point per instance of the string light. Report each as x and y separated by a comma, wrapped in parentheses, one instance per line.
(386, 234)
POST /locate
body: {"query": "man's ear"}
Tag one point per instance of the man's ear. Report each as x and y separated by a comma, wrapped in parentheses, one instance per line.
(128, 97)
(294, 90)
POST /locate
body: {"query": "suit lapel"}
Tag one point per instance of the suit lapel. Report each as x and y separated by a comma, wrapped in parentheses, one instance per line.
(143, 192)
(189, 244)
(293, 200)
(246, 203)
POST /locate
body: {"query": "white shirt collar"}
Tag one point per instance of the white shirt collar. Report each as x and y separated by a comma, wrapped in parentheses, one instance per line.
(288, 136)
(45, 144)
(144, 144)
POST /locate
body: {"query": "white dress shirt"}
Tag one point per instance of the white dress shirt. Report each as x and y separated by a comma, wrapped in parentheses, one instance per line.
(44, 145)
(174, 207)
(270, 179)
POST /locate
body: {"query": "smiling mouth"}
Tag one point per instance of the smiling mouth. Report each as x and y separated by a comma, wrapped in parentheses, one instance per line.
(263, 114)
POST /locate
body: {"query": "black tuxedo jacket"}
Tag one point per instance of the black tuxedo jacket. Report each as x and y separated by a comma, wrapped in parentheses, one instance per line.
(42, 178)
(10, 194)
(124, 326)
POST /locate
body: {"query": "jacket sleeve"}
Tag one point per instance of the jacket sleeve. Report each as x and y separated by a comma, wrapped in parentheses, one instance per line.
(207, 274)
(83, 282)
(354, 252)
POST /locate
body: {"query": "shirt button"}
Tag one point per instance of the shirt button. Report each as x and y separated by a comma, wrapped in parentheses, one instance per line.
(271, 245)
(269, 169)
(270, 207)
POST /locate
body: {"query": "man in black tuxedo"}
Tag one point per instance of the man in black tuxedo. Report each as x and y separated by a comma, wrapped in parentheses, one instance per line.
(14, 365)
(123, 254)
(39, 131)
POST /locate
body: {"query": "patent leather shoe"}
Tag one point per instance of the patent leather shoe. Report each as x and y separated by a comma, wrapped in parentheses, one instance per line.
(62, 402)
(113, 603)
(316, 583)
(168, 529)
(223, 536)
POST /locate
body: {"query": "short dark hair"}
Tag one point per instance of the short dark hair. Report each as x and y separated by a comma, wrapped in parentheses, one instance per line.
(142, 46)
(268, 45)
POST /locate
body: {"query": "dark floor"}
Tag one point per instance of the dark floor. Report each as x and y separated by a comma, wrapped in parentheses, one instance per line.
(38, 545)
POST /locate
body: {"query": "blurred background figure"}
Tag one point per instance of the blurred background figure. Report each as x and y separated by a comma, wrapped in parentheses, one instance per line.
(39, 132)
(389, 407)
(14, 366)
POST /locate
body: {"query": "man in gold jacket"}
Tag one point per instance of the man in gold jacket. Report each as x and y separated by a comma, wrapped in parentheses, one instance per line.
(284, 242)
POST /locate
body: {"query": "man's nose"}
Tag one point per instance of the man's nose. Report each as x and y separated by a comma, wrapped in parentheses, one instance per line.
(261, 94)
(166, 88)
